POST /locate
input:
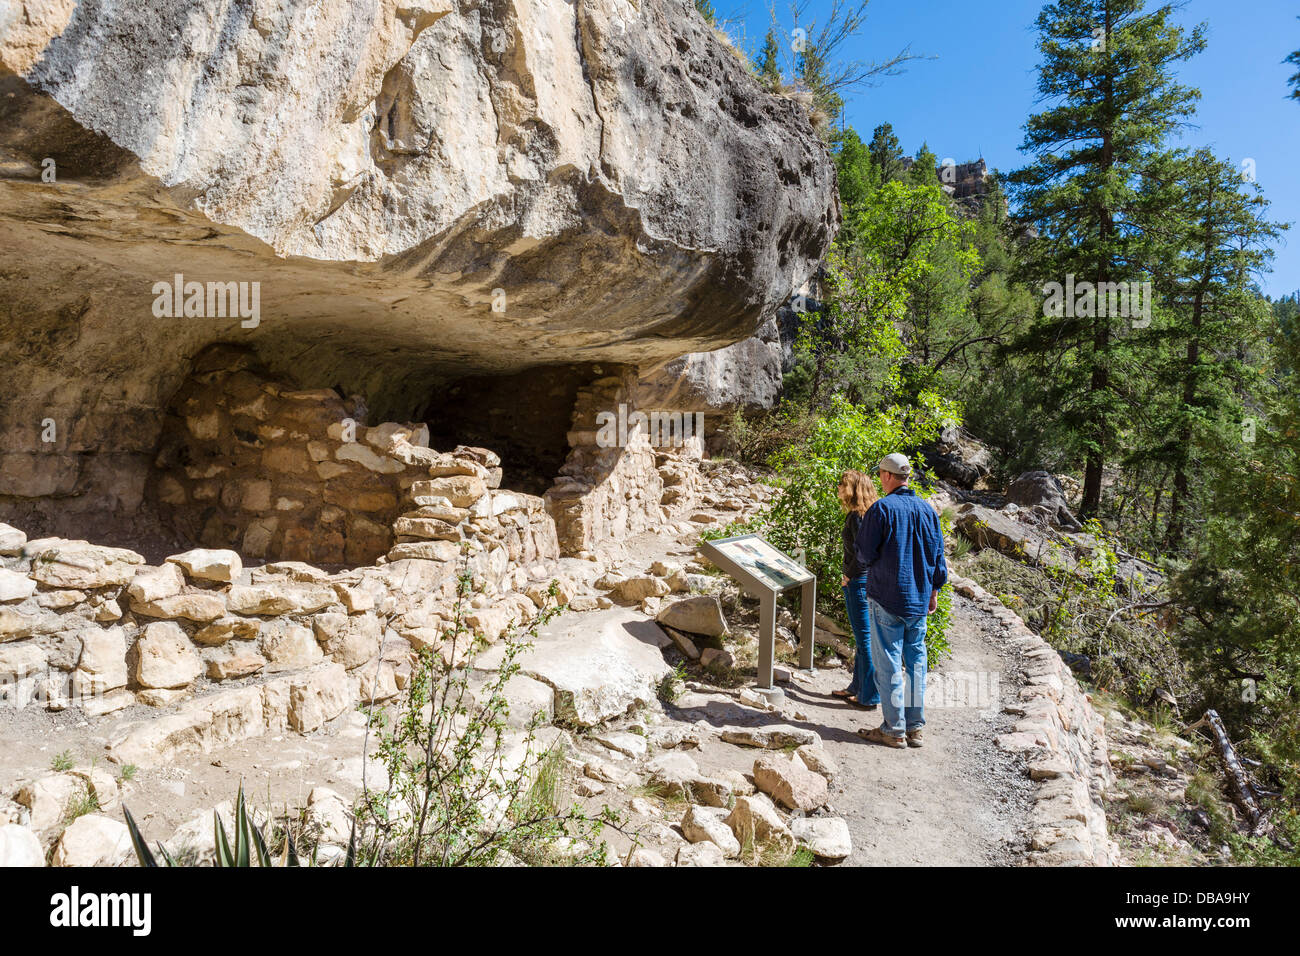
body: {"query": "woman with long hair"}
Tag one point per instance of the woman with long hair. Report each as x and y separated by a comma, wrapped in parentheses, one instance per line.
(857, 493)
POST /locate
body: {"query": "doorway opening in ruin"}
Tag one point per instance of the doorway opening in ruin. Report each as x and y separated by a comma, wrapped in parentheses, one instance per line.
(524, 417)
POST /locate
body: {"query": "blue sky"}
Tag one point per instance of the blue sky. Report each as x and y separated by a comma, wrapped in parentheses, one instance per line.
(973, 99)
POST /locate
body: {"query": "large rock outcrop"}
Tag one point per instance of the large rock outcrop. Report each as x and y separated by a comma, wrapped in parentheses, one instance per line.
(416, 191)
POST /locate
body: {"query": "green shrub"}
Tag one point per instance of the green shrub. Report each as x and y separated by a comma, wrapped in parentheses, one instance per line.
(806, 514)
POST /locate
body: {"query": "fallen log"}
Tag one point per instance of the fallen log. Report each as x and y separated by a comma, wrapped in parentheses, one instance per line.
(1243, 792)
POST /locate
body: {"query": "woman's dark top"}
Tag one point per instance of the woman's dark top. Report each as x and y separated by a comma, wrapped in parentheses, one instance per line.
(852, 567)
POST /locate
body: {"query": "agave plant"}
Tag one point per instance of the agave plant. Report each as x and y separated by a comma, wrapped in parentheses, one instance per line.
(249, 841)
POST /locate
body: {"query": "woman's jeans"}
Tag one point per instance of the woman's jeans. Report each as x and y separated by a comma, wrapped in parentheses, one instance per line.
(864, 675)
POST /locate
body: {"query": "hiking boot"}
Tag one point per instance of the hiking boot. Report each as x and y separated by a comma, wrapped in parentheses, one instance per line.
(877, 736)
(916, 738)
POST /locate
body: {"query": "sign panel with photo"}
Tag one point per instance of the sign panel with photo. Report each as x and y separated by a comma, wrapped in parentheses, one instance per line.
(766, 572)
(766, 564)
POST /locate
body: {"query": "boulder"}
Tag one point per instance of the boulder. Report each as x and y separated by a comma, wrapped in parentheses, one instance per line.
(16, 625)
(329, 816)
(226, 628)
(378, 682)
(644, 856)
(770, 737)
(706, 853)
(816, 758)
(202, 607)
(460, 490)
(599, 665)
(628, 744)
(15, 586)
(11, 539)
(959, 458)
(700, 824)
(349, 639)
(208, 565)
(987, 528)
(19, 661)
(526, 699)
(318, 698)
(701, 614)
(790, 783)
(200, 726)
(154, 584)
(93, 840)
(827, 837)
(49, 796)
(235, 663)
(82, 565)
(717, 657)
(754, 819)
(166, 659)
(278, 598)
(19, 847)
(684, 644)
(101, 663)
(637, 589)
(1040, 491)
(288, 646)
(673, 772)
(677, 774)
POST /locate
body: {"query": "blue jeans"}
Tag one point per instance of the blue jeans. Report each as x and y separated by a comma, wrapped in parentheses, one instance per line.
(899, 646)
(864, 675)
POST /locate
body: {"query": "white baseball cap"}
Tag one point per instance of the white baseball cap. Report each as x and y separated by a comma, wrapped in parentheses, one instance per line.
(896, 464)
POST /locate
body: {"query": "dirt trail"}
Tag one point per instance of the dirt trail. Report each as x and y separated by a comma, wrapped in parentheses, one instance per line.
(959, 800)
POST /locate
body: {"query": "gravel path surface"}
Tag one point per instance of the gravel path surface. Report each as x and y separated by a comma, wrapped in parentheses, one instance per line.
(957, 801)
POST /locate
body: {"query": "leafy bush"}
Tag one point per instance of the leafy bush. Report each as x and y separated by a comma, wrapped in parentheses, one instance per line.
(756, 439)
(806, 514)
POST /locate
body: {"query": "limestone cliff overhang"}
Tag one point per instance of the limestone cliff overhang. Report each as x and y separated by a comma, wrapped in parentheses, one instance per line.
(419, 190)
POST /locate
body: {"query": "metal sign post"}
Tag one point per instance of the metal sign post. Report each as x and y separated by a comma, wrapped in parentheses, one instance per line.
(764, 573)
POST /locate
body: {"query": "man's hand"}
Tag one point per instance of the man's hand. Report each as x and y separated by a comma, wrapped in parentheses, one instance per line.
(934, 601)
(844, 581)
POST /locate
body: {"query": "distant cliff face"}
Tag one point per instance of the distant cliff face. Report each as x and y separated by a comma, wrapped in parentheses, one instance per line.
(404, 192)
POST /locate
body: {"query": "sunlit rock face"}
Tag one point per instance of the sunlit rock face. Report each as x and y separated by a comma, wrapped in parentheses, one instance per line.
(379, 196)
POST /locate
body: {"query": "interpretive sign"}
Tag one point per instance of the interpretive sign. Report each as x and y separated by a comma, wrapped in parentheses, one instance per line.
(764, 572)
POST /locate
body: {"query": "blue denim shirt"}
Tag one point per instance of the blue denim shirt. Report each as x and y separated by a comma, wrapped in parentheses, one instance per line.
(901, 545)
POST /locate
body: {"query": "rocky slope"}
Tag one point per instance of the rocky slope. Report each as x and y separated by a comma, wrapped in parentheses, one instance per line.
(416, 192)
(704, 771)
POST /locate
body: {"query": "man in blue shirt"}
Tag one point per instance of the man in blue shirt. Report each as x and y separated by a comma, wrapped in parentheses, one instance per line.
(901, 545)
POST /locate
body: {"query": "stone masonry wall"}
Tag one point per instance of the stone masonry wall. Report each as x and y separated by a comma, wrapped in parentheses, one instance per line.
(249, 464)
(1064, 741)
(612, 490)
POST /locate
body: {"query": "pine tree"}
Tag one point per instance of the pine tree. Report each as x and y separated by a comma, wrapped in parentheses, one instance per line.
(1107, 68)
(1239, 596)
(813, 70)
(924, 168)
(769, 63)
(886, 152)
(1215, 232)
